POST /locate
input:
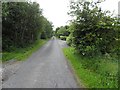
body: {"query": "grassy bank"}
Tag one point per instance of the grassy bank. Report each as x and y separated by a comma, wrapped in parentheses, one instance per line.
(22, 53)
(98, 72)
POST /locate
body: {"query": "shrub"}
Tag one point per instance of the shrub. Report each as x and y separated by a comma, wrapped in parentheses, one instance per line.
(63, 37)
(69, 40)
(94, 31)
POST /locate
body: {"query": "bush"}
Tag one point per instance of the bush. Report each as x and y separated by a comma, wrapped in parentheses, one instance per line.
(94, 31)
(63, 37)
(69, 40)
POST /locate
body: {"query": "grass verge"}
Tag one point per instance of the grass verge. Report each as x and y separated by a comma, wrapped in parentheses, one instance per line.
(96, 72)
(22, 53)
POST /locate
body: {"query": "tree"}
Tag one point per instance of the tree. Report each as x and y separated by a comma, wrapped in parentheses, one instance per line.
(47, 28)
(22, 24)
(62, 31)
(94, 31)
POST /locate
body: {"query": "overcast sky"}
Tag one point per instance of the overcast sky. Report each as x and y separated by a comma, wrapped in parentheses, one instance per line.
(56, 10)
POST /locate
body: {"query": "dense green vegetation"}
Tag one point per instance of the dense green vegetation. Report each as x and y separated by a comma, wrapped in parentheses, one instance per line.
(62, 32)
(22, 25)
(95, 37)
(99, 72)
(22, 53)
(95, 31)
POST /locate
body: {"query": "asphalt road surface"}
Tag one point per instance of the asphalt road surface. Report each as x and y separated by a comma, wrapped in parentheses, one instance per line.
(46, 68)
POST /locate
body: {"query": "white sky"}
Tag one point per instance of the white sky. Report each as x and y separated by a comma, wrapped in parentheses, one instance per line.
(56, 10)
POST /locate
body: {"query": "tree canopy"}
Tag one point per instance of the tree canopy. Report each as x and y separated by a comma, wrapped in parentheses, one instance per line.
(93, 30)
(23, 24)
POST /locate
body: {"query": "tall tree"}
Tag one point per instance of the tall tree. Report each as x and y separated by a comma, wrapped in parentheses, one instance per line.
(22, 24)
(94, 30)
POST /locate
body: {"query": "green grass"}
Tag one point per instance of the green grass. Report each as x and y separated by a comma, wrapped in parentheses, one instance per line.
(22, 53)
(98, 72)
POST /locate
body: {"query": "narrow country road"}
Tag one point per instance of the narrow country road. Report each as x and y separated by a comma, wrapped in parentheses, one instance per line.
(46, 68)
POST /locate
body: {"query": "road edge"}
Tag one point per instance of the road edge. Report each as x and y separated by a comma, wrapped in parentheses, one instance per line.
(79, 82)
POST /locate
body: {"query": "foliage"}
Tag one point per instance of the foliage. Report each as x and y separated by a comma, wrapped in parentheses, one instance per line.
(47, 29)
(63, 37)
(97, 72)
(94, 31)
(23, 24)
(69, 39)
(95, 36)
(22, 53)
(62, 31)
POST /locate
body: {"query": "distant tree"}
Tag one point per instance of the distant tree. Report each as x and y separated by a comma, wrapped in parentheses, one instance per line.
(62, 31)
(47, 29)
